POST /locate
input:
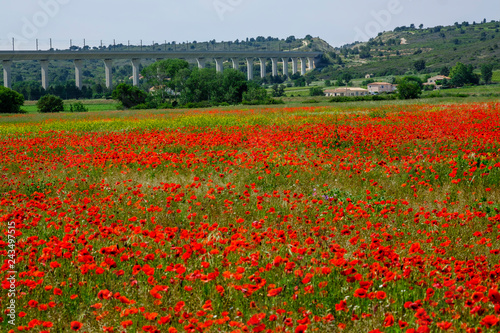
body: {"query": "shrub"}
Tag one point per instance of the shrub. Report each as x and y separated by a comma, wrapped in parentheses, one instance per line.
(129, 96)
(309, 101)
(380, 97)
(77, 107)
(410, 87)
(50, 103)
(316, 91)
(10, 101)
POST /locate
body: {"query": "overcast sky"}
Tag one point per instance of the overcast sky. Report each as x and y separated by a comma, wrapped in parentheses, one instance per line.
(337, 22)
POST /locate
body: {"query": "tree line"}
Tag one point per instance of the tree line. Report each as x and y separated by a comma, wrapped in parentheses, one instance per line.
(174, 83)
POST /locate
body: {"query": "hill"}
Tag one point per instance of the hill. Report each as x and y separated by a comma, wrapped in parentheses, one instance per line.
(395, 52)
(391, 53)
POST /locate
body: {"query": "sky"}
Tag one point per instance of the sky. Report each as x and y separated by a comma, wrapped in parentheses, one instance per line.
(337, 22)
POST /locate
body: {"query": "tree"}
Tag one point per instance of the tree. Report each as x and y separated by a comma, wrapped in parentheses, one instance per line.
(206, 85)
(300, 81)
(364, 52)
(161, 74)
(316, 91)
(233, 85)
(10, 100)
(129, 96)
(49, 104)
(409, 87)
(463, 74)
(486, 73)
(347, 77)
(278, 90)
(419, 65)
(445, 70)
(255, 94)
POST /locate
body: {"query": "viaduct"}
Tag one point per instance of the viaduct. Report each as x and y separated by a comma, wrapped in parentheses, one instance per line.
(307, 61)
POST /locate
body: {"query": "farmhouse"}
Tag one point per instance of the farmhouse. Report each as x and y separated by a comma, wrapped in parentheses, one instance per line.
(380, 87)
(436, 81)
(348, 91)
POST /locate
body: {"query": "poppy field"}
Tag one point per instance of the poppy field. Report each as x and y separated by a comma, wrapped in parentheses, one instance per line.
(306, 219)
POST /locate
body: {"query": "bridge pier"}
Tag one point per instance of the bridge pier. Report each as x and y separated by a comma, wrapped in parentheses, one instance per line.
(294, 65)
(303, 66)
(78, 73)
(250, 69)
(201, 62)
(262, 67)
(7, 67)
(285, 66)
(135, 71)
(236, 56)
(274, 62)
(236, 63)
(219, 65)
(108, 68)
(312, 63)
(45, 73)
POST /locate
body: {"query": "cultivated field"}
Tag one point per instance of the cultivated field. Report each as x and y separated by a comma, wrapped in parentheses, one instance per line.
(287, 219)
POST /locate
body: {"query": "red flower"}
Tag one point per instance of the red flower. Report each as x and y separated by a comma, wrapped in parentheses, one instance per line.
(402, 324)
(494, 296)
(341, 306)
(76, 325)
(104, 294)
(256, 319)
(444, 325)
(301, 329)
(360, 293)
(274, 292)
(489, 321)
(389, 320)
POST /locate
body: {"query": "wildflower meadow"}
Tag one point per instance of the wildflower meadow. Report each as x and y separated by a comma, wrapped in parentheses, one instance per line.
(305, 219)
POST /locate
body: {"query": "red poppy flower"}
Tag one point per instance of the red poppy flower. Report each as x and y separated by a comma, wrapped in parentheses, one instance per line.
(489, 321)
(76, 325)
(389, 320)
(301, 329)
(274, 292)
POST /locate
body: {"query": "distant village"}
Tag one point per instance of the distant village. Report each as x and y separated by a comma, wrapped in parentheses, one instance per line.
(375, 88)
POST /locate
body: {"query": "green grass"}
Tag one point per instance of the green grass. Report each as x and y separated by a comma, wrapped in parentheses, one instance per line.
(301, 97)
(496, 76)
(92, 105)
(483, 90)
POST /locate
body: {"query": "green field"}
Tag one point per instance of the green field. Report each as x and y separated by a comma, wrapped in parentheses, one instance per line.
(91, 104)
(496, 76)
(300, 95)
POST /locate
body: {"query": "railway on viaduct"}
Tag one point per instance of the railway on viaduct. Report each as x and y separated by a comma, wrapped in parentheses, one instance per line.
(307, 61)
